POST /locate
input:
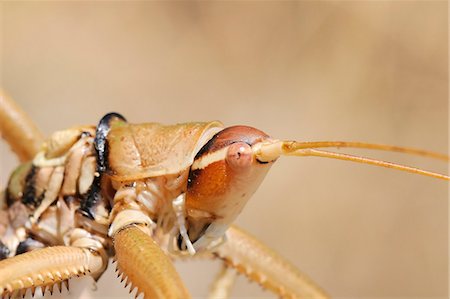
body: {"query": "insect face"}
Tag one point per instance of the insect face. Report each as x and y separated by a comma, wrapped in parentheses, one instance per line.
(224, 175)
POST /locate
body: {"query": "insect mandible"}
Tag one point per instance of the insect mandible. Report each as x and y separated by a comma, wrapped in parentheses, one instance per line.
(145, 194)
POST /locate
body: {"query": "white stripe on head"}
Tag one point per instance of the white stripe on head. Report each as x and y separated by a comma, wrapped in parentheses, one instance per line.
(210, 158)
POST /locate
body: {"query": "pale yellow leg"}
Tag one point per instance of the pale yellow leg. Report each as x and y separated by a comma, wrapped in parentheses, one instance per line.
(263, 265)
(142, 262)
(18, 129)
(45, 268)
(222, 285)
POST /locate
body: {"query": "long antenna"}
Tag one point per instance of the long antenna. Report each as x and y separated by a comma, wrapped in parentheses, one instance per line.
(373, 146)
(327, 154)
(269, 151)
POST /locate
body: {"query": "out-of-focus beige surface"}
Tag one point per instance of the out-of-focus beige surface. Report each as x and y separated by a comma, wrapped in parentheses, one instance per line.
(366, 71)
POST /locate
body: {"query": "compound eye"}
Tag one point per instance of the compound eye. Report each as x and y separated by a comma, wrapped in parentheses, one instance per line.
(239, 155)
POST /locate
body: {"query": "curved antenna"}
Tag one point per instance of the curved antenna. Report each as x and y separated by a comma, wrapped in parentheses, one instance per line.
(326, 154)
(269, 151)
(365, 145)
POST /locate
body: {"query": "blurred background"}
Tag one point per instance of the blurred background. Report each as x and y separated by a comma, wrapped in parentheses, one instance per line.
(363, 71)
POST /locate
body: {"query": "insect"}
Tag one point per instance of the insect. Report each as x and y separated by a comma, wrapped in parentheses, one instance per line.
(145, 194)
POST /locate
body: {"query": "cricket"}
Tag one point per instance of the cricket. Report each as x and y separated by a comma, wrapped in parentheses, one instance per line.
(145, 195)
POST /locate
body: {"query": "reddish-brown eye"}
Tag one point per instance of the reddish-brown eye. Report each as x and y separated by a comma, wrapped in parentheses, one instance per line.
(239, 155)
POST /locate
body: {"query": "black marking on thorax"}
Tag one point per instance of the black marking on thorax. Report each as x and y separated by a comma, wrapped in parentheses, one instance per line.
(29, 191)
(9, 199)
(101, 141)
(28, 244)
(90, 199)
(4, 251)
(94, 195)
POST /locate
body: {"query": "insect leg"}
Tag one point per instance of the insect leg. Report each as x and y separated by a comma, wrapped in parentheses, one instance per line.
(46, 267)
(263, 265)
(179, 208)
(145, 265)
(223, 283)
(18, 129)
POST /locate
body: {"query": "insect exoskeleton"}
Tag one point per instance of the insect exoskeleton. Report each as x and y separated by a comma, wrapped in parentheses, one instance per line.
(62, 170)
(190, 180)
(223, 176)
(148, 165)
(145, 193)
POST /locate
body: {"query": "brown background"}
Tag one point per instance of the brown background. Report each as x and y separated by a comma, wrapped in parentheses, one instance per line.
(366, 71)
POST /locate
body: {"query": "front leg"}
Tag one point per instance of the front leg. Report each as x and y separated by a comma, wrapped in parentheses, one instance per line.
(263, 265)
(142, 262)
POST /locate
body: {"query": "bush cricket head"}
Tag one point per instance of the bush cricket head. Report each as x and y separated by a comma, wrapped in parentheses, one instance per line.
(230, 167)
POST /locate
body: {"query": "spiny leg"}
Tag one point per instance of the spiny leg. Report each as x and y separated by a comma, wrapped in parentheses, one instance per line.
(263, 265)
(142, 262)
(223, 283)
(18, 129)
(46, 267)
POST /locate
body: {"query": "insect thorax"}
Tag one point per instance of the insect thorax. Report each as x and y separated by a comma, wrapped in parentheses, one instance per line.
(149, 201)
(61, 196)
